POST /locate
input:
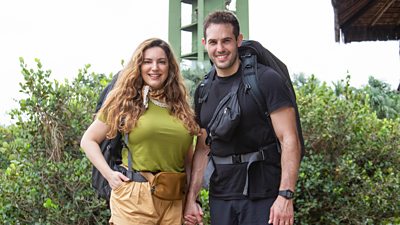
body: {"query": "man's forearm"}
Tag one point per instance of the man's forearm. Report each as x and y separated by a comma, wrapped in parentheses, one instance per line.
(290, 162)
(284, 124)
(199, 165)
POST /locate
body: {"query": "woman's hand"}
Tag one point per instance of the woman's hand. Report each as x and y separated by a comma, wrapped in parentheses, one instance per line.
(115, 179)
(193, 214)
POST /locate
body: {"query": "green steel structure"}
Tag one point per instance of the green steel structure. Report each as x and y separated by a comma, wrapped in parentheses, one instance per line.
(199, 10)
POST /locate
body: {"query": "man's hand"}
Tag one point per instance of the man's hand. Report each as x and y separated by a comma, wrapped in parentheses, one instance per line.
(193, 214)
(281, 212)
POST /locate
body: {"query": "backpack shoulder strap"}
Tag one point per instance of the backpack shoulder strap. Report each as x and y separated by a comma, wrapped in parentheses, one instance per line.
(106, 90)
(204, 87)
(249, 68)
(259, 54)
(125, 145)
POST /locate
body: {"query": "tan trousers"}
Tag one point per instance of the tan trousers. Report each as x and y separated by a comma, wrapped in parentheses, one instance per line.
(132, 204)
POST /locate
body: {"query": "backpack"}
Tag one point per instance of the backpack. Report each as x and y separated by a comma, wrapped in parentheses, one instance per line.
(110, 148)
(252, 52)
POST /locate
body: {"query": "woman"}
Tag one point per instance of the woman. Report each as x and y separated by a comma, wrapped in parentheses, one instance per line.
(148, 102)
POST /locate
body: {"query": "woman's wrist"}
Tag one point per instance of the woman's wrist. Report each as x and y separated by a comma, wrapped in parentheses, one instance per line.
(199, 202)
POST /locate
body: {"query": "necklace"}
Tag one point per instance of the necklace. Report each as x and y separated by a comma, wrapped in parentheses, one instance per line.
(158, 103)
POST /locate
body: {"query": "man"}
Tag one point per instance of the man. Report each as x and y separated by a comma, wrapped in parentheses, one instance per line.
(229, 204)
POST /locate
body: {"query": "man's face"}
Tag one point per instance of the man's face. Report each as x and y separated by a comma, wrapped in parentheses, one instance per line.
(222, 48)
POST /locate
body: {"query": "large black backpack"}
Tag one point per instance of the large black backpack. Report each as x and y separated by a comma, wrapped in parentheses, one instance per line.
(110, 148)
(252, 52)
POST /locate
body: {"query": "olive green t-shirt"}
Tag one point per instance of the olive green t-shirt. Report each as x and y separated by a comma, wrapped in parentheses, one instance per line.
(159, 142)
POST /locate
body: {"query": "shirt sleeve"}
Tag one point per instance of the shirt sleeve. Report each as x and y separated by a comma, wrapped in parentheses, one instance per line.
(101, 117)
(274, 89)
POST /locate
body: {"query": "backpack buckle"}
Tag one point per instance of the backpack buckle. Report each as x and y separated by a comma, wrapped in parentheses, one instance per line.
(246, 55)
(236, 159)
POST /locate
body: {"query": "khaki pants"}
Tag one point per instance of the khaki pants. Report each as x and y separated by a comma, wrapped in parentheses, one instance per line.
(132, 203)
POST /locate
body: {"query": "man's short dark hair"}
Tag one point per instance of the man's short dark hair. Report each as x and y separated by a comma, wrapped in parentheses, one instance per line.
(222, 17)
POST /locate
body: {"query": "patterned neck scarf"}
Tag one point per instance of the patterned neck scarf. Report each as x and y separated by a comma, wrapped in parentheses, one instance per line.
(156, 96)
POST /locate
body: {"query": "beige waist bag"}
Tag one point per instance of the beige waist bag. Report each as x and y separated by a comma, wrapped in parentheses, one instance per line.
(167, 185)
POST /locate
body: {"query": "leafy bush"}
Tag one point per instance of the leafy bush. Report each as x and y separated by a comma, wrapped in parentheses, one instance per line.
(205, 206)
(46, 179)
(384, 101)
(194, 76)
(348, 176)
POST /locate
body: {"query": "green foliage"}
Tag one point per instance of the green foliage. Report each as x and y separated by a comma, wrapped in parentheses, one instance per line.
(46, 177)
(194, 76)
(349, 173)
(205, 207)
(384, 101)
(348, 176)
(5, 140)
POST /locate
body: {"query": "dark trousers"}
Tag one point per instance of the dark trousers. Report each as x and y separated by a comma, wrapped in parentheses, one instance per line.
(240, 212)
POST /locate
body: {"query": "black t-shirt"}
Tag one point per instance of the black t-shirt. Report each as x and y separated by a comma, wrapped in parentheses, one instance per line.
(253, 132)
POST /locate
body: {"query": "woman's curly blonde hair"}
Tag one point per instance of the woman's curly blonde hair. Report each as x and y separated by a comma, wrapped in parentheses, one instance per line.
(124, 104)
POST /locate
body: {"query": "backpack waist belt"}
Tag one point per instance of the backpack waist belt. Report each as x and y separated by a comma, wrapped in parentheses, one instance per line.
(248, 158)
(135, 176)
(131, 174)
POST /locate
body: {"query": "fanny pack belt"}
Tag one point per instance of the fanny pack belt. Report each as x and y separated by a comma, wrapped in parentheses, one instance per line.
(248, 158)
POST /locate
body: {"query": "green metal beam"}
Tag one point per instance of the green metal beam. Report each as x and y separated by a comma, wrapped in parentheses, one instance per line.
(200, 9)
(200, 21)
(242, 12)
(174, 27)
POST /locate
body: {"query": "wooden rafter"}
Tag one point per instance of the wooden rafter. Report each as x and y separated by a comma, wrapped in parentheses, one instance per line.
(352, 13)
(379, 14)
(366, 20)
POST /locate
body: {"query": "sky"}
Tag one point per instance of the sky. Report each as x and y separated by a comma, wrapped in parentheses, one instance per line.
(66, 35)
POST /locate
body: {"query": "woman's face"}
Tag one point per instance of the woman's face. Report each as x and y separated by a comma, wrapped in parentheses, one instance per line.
(154, 69)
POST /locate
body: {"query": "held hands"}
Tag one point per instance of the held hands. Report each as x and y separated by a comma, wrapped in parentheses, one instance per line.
(281, 212)
(193, 214)
(115, 179)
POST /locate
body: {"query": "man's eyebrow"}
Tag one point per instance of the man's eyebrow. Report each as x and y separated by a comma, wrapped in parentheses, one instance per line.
(210, 40)
(223, 39)
(227, 38)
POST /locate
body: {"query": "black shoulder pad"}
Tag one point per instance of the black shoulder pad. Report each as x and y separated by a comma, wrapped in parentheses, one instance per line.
(204, 86)
(106, 90)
